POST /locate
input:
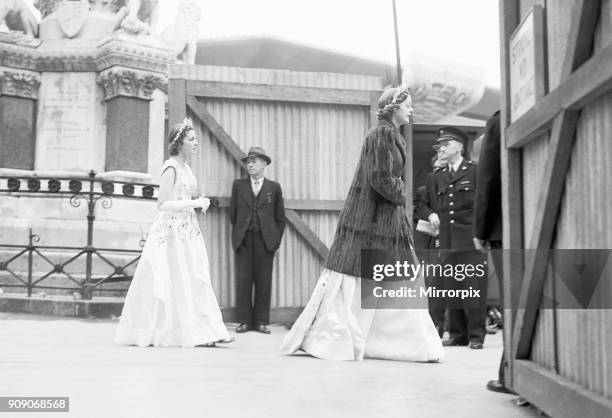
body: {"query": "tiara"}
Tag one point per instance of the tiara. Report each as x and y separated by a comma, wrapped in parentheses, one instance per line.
(393, 106)
(402, 95)
(187, 123)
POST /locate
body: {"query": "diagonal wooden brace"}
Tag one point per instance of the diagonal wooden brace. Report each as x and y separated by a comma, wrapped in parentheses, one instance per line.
(230, 145)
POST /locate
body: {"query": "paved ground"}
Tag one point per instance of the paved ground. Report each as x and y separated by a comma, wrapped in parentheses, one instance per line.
(41, 356)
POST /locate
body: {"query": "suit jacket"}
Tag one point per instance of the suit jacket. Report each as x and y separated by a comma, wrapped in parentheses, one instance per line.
(270, 210)
(453, 200)
(422, 241)
(488, 206)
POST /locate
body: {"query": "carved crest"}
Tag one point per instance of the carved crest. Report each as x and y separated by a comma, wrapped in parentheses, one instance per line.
(71, 15)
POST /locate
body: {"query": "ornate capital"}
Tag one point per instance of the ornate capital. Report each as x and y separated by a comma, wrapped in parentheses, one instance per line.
(145, 53)
(129, 83)
(19, 83)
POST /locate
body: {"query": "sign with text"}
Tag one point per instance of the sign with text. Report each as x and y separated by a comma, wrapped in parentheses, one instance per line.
(71, 130)
(524, 64)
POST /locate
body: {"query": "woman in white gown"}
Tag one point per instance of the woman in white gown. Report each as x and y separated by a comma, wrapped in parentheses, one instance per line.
(170, 302)
(333, 325)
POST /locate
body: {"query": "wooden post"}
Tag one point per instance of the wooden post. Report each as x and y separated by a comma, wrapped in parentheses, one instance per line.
(177, 108)
(512, 204)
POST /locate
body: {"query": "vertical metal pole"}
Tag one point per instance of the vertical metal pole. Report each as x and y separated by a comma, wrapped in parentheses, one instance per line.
(406, 131)
(87, 292)
(397, 48)
(30, 261)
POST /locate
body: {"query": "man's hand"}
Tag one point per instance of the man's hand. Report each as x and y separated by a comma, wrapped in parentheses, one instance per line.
(480, 244)
(434, 220)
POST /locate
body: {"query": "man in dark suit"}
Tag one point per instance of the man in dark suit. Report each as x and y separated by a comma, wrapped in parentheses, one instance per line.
(257, 215)
(448, 205)
(488, 214)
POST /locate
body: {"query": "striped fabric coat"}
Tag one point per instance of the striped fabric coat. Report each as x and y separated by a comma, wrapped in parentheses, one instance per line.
(374, 216)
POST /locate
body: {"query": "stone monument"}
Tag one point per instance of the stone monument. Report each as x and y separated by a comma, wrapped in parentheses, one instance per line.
(83, 86)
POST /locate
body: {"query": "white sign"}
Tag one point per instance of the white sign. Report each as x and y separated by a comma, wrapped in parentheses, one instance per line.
(70, 128)
(522, 68)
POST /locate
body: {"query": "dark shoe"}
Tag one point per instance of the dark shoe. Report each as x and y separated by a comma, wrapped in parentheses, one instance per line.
(491, 331)
(226, 340)
(263, 329)
(497, 386)
(475, 345)
(242, 328)
(454, 343)
(206, 345)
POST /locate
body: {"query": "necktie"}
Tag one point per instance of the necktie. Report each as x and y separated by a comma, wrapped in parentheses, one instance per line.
(256, 187)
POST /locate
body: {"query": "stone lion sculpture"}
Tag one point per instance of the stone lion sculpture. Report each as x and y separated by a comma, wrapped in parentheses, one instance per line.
(19, 15)
(182, 34)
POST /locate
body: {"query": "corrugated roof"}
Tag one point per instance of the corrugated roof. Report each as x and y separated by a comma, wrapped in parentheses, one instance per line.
(274, 53)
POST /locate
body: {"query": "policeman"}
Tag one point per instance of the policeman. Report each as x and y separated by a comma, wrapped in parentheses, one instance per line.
(448, 206)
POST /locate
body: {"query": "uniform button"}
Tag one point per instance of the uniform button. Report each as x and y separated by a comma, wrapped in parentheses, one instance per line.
(451, 195)
(452, 185)
(452, 212)
(451, 203)
(452, 221)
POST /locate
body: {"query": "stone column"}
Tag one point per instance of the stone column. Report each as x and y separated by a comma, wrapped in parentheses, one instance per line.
(128, 93)
(18, 95)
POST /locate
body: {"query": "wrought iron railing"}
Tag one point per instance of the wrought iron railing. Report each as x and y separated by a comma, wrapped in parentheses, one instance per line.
(87, 189)
(82, 287)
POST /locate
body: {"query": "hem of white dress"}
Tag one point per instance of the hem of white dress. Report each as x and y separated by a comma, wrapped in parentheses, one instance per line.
(146, 338)
(333, 326)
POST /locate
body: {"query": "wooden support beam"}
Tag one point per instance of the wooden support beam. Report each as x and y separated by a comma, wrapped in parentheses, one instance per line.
(278, 93)
(589, 82)
(560, 147)
(312, 204)
(176, 101)
(557, 396)
(299, 204)
(562, 137)
(304, 230)
(226, 140)
(581, 36)
(512, 212)
(216, 129)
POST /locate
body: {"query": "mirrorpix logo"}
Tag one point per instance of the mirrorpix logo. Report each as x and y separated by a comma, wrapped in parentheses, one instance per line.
(390, 283)
(575, 279)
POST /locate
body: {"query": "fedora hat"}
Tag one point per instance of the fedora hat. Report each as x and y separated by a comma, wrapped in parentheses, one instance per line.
(257, 152)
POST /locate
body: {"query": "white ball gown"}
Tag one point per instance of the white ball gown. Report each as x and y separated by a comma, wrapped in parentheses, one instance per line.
(333, 326)
(171, 302)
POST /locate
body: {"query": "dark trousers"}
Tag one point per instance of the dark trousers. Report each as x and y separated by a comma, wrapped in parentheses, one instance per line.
(253, 267)
(467, 317)
(497, 258)
(437, 305)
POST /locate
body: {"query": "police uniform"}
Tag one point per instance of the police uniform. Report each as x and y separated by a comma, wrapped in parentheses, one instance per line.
(451, 196)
